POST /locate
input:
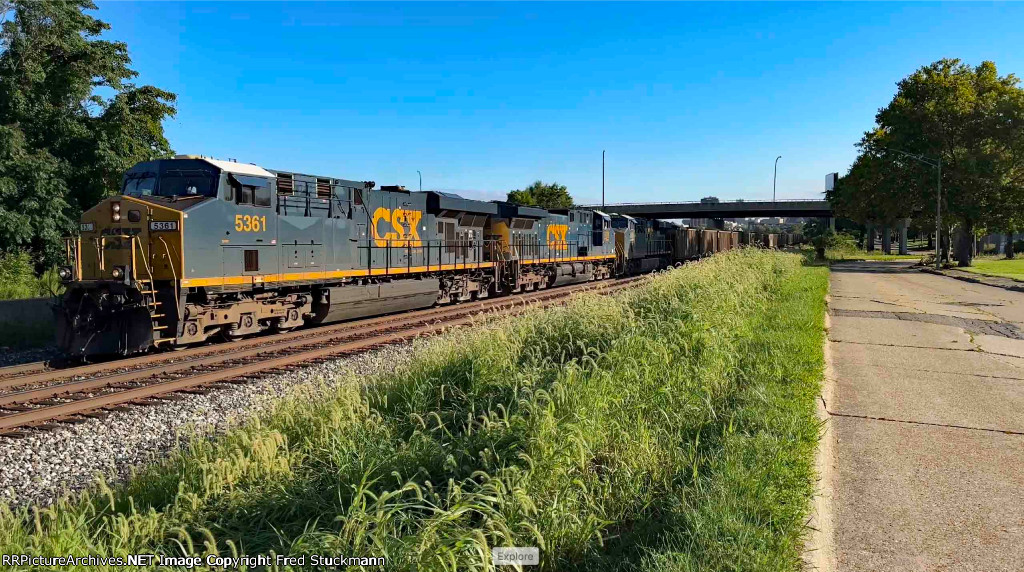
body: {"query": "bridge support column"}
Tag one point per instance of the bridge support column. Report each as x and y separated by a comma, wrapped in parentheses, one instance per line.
(832, 223)
(886, 239)
(903, 235)
(869, 237)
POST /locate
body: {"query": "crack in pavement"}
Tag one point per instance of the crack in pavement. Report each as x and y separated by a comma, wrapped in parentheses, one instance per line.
(914, 347)
(925, 423)
(972, 325)
(974, 349)
(986, 376)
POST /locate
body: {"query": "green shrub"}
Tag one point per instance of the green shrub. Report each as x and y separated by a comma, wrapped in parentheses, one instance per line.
(843, 242)
(50, 283)
(18, 278)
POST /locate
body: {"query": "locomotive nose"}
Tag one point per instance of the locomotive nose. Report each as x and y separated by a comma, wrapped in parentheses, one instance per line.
(129, 251)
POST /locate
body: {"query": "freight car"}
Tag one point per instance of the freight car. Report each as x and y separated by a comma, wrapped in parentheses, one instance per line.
(195, 247)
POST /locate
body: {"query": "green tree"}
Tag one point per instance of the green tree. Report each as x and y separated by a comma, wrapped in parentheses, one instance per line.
(553, 196)
(971, 118)
(63, 146)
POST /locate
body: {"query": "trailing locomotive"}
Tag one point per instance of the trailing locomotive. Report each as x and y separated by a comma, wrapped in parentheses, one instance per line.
(194, 248)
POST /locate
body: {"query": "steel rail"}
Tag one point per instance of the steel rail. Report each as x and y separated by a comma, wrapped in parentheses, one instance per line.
(333, 337)
(222, 349)
(54, 412)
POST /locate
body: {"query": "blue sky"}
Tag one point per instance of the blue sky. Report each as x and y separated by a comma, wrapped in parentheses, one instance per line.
(688, 99)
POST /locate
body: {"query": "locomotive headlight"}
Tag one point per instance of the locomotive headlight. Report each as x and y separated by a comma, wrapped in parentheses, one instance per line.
(116, 207)
(117, 273)
(116, 217)
(64, 272)
(115, 212)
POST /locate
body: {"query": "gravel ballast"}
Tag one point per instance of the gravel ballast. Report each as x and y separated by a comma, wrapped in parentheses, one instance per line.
(12, 356)
(46, 465)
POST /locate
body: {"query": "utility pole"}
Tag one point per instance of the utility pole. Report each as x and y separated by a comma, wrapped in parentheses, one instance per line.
(602, 179)
(938, 217)
(775, 176)
(421, 180)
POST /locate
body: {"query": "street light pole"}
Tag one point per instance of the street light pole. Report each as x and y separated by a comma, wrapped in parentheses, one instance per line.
(602, 179)
(421, 180)
(775, 176)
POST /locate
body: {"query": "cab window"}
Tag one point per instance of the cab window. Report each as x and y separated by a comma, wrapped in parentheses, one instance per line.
(243, 194)
(261, 196)
(140, 186)
(186, 183)
(250, 190)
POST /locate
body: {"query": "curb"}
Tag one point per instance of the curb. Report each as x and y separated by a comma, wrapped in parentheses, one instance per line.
(819, 545)
(995, 282)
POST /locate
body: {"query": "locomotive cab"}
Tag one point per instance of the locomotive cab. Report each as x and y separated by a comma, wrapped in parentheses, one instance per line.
(124, 282)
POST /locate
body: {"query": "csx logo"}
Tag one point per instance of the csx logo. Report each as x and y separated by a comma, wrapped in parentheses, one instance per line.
(400, 228)
(557, 236)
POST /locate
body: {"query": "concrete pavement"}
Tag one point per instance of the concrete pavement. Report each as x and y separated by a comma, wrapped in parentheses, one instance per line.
(924, 451)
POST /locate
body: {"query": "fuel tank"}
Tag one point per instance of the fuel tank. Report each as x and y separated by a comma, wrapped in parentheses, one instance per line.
(360, 301)
(572, 273)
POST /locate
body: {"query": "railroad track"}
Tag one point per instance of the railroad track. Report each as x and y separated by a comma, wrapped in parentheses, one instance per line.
(40, 396)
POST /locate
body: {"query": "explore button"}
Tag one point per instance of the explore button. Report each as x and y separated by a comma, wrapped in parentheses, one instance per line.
(529, 556)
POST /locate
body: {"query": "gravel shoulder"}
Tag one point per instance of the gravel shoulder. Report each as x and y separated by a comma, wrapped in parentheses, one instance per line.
(41, 468)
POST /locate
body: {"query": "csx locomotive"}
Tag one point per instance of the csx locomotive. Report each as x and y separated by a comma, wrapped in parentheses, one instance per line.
(195, 247)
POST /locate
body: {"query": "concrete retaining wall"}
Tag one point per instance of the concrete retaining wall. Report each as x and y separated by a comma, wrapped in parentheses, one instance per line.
(26, 322)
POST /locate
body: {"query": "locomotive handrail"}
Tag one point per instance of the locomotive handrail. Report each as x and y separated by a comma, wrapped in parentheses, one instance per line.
(73, 253)
(177, 285)
(462, 254)
(145, 263)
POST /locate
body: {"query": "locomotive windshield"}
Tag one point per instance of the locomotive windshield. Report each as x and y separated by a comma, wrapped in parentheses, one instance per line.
(172, 183)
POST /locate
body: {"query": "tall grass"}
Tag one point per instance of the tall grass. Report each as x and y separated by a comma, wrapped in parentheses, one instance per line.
(668, 428)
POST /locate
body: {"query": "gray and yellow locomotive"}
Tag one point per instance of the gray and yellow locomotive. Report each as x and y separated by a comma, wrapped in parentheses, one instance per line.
(195, 247)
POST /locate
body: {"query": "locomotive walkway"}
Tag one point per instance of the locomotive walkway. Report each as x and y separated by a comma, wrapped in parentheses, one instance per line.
(924, 451)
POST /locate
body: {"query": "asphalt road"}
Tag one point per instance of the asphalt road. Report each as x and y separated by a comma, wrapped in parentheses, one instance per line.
(926, 421)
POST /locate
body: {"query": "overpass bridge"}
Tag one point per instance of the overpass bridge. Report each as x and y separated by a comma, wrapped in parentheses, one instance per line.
(722, 210)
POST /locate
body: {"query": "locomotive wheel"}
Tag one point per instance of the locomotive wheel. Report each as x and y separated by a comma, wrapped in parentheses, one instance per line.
(293, 316)
(229, 336)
